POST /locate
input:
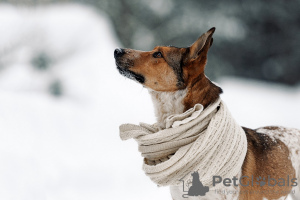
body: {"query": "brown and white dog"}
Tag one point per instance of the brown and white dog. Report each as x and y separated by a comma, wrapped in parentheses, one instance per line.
(176, 82)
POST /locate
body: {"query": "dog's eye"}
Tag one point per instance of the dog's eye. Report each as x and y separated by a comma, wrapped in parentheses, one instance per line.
(157, 55)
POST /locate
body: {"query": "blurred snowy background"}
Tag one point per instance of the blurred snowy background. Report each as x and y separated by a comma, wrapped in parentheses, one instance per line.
(62, 100)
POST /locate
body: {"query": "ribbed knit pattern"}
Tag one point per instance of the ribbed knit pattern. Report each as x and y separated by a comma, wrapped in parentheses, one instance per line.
(208, 141)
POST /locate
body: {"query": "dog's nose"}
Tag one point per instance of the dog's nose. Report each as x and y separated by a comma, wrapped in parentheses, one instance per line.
(119, 52)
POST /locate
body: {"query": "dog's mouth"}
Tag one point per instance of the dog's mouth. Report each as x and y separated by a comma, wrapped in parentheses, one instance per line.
(130, 74)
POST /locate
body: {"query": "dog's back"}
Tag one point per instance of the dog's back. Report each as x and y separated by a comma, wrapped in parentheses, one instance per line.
(291, 138)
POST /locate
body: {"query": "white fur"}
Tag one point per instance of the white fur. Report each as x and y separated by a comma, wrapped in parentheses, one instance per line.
(167, 103)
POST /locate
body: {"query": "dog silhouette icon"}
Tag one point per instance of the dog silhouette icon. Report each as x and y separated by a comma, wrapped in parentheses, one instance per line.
(197, 188)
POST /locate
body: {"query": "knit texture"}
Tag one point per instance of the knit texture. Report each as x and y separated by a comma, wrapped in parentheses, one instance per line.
(208, 141)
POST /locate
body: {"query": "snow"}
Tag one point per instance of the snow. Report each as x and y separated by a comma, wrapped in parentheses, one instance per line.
(257, 104)
(68, 147)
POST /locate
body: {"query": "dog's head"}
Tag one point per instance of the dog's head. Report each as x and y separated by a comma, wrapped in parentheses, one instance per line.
(165, 68)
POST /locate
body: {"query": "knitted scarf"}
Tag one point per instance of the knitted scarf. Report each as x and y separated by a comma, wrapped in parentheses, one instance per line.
(208, 141)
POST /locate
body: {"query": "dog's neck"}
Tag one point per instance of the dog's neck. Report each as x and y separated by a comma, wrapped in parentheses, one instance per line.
(201, 90)
(166, 104)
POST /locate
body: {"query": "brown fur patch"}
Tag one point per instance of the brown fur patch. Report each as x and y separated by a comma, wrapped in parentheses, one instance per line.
(201, 90)
(266, 157)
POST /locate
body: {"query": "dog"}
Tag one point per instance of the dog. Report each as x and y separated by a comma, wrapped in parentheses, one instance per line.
(176, 82)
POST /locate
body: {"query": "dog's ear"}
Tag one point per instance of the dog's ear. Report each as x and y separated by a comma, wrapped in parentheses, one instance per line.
(202, 44)
(196, 58)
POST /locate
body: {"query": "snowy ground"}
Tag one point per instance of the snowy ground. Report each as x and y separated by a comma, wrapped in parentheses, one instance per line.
(68, 147)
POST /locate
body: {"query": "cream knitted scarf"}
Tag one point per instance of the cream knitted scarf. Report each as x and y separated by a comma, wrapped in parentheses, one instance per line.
(208, 141)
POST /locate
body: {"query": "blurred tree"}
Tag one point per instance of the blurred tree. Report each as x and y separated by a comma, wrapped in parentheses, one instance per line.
(56, 88)
(41, 61)
(254, 39)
